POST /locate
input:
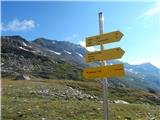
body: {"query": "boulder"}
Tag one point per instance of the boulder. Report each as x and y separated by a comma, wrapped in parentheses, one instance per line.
(22, 77)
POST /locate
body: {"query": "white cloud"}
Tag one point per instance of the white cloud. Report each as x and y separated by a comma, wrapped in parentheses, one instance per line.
(17, 25)
(1, 27)
(72, 37)
(91, 49)
(147, 14)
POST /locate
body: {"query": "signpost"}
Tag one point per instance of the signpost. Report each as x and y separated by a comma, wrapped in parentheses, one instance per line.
(105, 71)
(109, 54)
(104, 38)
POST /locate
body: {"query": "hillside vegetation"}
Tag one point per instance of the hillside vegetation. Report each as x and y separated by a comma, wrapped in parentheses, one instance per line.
(73, 100)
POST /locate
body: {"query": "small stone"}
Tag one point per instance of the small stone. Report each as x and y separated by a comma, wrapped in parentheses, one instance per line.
(118, 117)
(37, 106)
(127, 118)
(42, 118)
(20, 114)
(80, 98)
(153, 118)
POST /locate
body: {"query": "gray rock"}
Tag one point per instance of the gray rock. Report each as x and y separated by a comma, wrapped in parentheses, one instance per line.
(156, 99)
(22, 77)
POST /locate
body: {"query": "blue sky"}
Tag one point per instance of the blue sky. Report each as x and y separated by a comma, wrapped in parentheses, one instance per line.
(74, 21)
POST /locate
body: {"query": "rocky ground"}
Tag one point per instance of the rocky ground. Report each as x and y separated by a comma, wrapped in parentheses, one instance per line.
(70, 100)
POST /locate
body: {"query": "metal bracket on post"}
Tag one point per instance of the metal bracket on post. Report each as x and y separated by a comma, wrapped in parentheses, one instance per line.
(105, 82)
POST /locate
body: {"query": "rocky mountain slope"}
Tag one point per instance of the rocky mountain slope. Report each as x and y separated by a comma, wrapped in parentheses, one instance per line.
(22, 57)
(43, 58)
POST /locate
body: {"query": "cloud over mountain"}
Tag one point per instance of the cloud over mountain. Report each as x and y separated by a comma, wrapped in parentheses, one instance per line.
(17, 25)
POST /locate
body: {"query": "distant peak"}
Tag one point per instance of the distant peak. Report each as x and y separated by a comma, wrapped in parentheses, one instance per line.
(149, 64)
(146, 63)
(13, 37)
(16, 36)
(43, 39)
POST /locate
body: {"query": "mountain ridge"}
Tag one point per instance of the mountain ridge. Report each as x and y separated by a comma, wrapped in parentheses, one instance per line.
(65, 60)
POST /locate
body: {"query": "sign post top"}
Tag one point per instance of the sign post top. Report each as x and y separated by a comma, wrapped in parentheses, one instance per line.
(101, 23)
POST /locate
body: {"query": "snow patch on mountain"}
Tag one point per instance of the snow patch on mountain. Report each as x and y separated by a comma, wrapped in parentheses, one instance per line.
(67, 52)
(131, 79)
(53, 42)
(23, 48)
(79, 54)
(131, 70)
(24, 44)
(55, 52)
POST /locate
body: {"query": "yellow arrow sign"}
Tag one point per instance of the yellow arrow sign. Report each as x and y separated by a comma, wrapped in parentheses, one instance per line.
(109, 54)
(104, 38)
(104, 71)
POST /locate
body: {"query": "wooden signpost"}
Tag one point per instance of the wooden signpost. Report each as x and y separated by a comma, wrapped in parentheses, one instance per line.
(104, 71)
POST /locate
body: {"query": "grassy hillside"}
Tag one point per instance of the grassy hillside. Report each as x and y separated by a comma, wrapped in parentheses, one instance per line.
(72, 100)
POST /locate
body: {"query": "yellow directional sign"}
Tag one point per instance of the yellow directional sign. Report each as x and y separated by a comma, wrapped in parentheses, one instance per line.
(104, 38)
(104, 71)
(109, 54)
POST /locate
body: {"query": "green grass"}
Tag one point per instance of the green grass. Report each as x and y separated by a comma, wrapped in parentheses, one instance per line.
(19, 103)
